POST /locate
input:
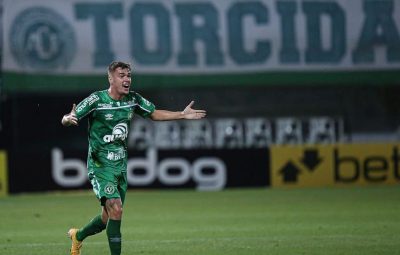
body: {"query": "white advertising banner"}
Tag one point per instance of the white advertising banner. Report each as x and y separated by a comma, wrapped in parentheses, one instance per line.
(200, 37)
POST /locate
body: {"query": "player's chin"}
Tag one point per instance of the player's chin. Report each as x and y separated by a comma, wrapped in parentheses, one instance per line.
(125, 91)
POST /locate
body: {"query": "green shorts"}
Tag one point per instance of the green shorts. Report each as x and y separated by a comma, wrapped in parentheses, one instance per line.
(108, 183)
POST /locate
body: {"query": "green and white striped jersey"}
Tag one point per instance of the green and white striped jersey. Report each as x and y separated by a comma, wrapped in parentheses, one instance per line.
(109, 123)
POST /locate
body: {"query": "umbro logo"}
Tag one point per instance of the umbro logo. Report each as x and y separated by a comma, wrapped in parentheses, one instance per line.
(109, 116)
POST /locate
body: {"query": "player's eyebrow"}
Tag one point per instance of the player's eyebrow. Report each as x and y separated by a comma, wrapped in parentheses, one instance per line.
(124, 73)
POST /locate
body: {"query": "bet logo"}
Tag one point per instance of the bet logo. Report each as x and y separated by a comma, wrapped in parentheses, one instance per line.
(310, 160)
(42, 39)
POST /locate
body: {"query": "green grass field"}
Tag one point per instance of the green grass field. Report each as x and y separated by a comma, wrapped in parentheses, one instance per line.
(245, 221)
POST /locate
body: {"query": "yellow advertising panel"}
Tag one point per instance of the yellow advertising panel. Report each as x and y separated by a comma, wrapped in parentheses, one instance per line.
(3, 174)
(329, 165)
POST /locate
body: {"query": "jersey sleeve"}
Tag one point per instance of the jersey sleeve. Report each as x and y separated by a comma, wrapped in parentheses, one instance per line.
(144, 107)
(86, 106)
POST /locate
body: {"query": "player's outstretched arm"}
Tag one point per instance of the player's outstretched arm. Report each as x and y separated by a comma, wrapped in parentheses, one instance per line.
(70, 118)
(188, 113)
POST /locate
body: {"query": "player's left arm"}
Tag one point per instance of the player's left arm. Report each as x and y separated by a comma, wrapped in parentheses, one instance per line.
(188, 113)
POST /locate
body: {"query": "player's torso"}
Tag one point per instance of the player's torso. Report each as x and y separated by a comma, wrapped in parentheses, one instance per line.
(109, 123)
(110, 120)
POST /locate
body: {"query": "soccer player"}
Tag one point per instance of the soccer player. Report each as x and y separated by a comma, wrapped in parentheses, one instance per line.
(109, 113)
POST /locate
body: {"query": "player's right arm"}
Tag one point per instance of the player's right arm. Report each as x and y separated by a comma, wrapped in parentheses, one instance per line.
(70, 118)
(83, 109)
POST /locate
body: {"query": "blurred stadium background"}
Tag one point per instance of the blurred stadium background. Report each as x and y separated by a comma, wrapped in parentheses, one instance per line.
(298, 93)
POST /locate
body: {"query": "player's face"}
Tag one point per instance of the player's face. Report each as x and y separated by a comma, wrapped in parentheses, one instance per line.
(121, 80)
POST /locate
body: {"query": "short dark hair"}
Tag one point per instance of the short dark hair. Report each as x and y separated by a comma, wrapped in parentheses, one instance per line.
(115, 64)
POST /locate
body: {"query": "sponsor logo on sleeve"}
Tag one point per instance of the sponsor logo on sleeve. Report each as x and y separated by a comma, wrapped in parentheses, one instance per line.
(87, 102)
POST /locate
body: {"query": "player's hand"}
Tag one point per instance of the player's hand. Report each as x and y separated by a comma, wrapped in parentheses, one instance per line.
(192, 114)
(70, 119)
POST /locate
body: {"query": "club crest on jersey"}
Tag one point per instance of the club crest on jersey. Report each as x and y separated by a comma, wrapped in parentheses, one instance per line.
(120, 132)
(130, 115)
(109, 189)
